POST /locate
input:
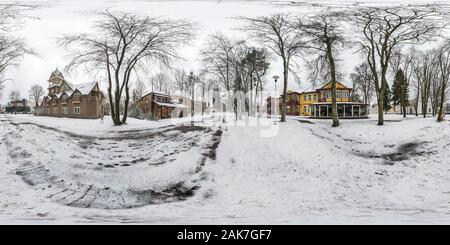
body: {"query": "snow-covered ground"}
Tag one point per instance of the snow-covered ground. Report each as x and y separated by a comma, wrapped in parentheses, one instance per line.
(170, 172)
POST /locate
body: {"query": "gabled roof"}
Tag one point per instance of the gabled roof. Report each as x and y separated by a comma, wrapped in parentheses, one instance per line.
(292, 92)
(84, 88)
(155, 92)
(58, 95)
(56, 73)
(339, 85)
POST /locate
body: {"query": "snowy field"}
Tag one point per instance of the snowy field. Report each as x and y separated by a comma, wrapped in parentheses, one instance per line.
(58, 170)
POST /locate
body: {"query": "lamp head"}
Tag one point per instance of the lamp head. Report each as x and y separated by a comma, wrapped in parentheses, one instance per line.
(276, 78)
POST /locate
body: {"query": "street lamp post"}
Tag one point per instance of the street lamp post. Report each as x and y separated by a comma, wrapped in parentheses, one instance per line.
(275, 78)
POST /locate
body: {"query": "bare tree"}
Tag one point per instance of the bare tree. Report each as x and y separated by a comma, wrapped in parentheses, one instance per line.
(425, 72)
(138, 91)
(386, 29)
(403, 62)
(277, 33)
(209, 85)
(219, 57)
(443, 63)
(222, 58)
(2, 86)
(192, 81)
(14, 95)
(180, 78)
(362, 80)
(11, 49)
(416, 85)
(12, 14)
(124, 43)
(254, 65)
(161, 83)
(325, 39)
(36, 92)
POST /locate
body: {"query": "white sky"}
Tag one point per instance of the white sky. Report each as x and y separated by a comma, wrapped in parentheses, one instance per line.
(71, 16)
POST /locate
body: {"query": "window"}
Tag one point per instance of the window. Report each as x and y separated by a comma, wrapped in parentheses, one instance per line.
(76, 110)
(304, 97)
(314, 97)
(55, 110)
(65, 110)
(309, 97)
(304, 108)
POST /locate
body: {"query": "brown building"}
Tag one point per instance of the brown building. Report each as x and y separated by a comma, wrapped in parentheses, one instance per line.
(20, 106)
(160, 106)
(65, 99)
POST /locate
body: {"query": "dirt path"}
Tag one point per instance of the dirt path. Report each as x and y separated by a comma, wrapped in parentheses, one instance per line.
(115, 171)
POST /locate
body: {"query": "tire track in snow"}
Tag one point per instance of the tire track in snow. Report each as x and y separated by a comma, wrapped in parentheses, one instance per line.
(67, 189)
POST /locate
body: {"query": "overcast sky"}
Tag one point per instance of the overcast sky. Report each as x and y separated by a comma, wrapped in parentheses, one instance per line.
(72, 16)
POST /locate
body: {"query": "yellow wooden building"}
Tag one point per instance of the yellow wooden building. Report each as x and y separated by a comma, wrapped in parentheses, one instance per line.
(317, 103)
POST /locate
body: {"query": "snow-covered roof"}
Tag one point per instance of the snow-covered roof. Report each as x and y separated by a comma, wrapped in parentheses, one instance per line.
(154, 91)
(58, 95)
(54, 85)
(170, 104)
(84, 88)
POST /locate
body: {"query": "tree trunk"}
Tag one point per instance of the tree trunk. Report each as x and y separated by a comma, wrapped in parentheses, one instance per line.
(203, 102)
(381, 101)
(416, 106)
(333, 86)
(424, 108)
(127, 101)
(440, 117)
(116, 118)
(192, 101)
(381, 106)
(285, 84)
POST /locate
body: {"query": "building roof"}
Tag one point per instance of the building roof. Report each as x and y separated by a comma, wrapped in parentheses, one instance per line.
(175, 105)
(56, 73)
(155, 92)
(312, 89)
(339, 85)
(58, 95)
(292, 92)
(84, 88)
